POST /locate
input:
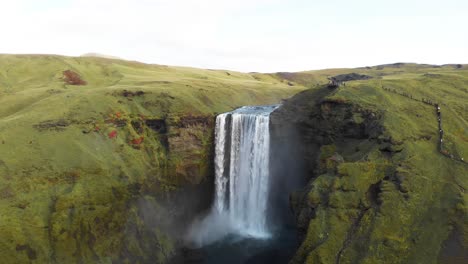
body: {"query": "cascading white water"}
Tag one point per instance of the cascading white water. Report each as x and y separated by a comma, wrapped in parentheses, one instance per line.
(220, 159)
(243, 144)
(242, 177)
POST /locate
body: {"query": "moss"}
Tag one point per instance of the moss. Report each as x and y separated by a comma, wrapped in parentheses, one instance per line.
(326, 152)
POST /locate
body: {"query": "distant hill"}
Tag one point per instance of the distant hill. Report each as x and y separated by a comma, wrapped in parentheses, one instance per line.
(99, 55)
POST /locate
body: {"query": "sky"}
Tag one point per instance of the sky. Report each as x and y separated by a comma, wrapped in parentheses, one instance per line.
(242, 35)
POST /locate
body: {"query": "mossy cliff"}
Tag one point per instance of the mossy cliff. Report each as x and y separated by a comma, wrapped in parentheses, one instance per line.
(379, 190)
(107, 161)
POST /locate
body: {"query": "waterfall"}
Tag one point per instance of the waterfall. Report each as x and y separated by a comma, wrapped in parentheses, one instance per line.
(242, 141)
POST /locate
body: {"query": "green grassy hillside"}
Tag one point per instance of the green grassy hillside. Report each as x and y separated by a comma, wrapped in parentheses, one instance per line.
(88, 172)
(381, 191)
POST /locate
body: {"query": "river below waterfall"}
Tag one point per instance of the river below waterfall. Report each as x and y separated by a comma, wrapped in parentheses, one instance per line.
(234, 249)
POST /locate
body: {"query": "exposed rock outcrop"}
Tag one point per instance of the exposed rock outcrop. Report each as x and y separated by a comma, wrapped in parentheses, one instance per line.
(351, 77)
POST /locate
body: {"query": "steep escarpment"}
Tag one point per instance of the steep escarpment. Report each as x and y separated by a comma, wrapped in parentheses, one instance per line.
(120, 187)
(372, 196)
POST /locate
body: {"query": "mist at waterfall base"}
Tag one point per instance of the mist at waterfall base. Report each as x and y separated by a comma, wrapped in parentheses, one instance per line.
(250, 220)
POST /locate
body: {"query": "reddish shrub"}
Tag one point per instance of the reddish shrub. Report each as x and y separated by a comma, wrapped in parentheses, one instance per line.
(137, 141)
(113, 134)
(73, 78)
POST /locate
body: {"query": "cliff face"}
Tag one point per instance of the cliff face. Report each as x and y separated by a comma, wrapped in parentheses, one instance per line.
(134, 183)
(371, 196)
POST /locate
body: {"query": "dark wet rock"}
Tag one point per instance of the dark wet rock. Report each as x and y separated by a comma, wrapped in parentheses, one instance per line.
(31, 253)
(192, 120)
(126, 93)
(391, 148)
(336, 158)
(120, 122)
(137, 126)
(56, 125)
(158, 125)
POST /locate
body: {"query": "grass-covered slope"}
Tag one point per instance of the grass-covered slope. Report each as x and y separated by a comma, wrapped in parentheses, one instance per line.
(380, 189)
(90, 173)
(111, 171)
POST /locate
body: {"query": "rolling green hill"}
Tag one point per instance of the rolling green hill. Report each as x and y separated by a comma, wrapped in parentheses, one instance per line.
(79, 164)
(112, 171)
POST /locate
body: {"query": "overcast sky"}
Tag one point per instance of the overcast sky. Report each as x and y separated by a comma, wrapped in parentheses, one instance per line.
(244, 35)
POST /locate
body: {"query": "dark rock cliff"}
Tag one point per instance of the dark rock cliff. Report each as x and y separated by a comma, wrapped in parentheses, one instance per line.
(359, 205)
